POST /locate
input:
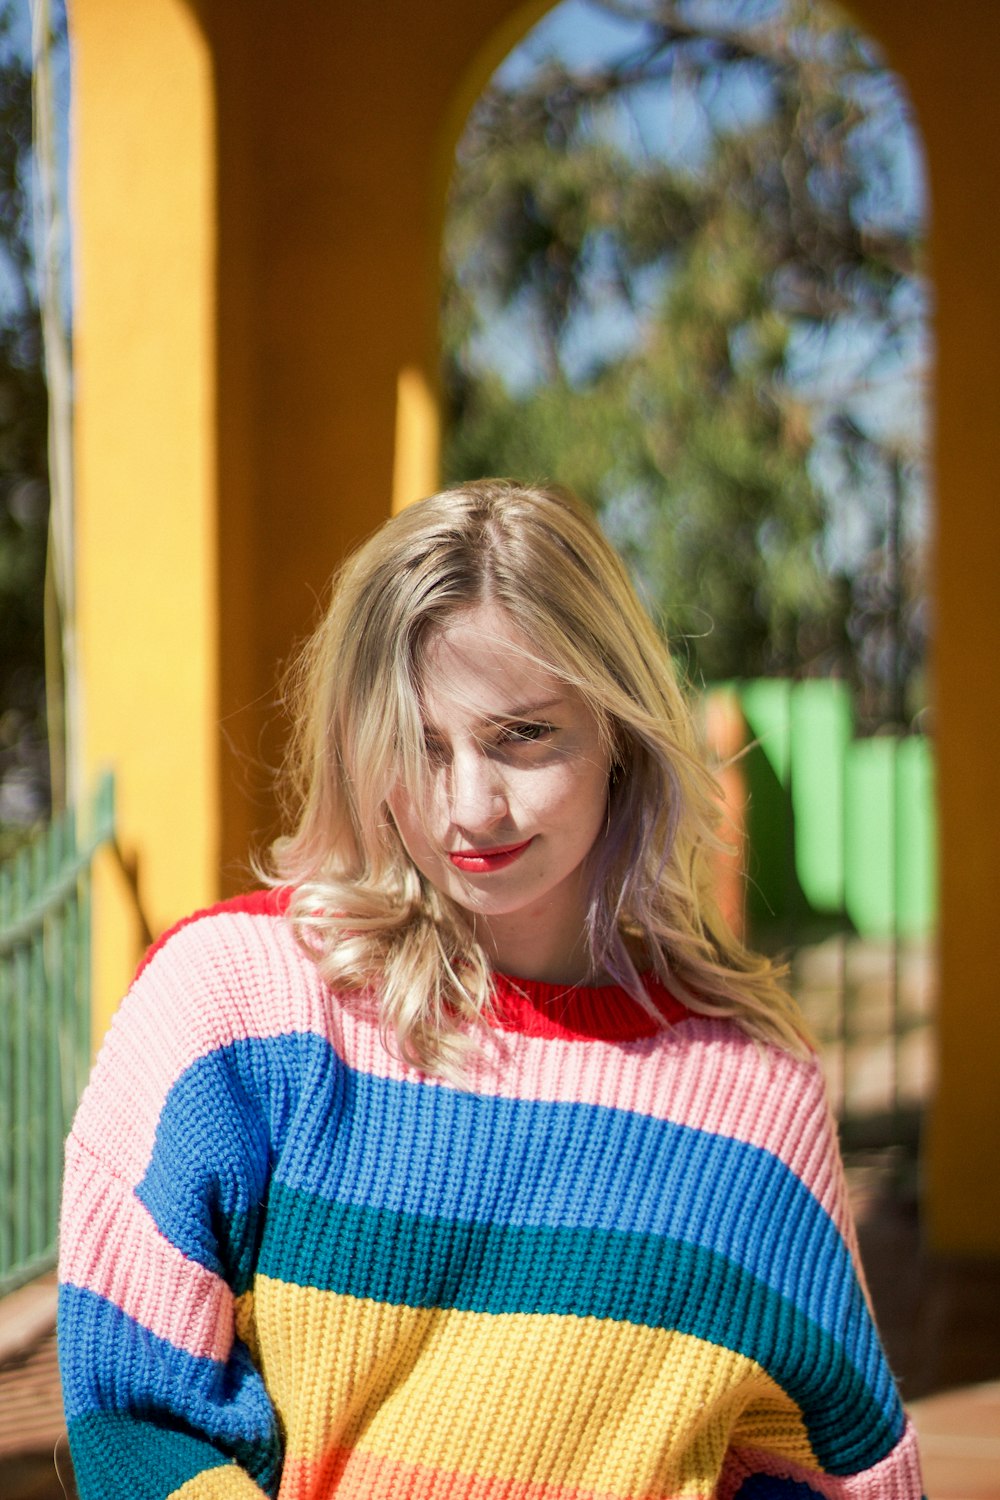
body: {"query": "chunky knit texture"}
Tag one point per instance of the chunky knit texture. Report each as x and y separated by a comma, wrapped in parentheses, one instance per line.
(617, 1263)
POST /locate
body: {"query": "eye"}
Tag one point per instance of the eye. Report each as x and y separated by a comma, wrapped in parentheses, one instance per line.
(523, 733)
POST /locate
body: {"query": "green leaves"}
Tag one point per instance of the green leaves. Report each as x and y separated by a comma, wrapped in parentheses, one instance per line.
(632, 319)
(23, 462)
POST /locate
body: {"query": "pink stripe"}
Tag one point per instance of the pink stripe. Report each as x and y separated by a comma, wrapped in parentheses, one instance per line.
(896, 1477)
(708, 1076)
(268, 901)
(234, 975)
(112, 1247)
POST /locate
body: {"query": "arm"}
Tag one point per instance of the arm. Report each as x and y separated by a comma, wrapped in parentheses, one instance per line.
(166, 1170)
(828, 1423)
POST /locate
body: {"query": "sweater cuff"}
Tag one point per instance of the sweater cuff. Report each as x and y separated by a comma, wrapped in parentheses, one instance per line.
(753, 1474)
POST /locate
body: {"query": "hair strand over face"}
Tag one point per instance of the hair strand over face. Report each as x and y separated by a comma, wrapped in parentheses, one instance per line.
(371, 922)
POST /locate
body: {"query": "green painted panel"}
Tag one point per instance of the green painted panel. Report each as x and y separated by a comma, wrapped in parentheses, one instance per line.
(835, 826)
(916, 837)
(774, 896)
(890, 837)
(822, 723)
(766, 704)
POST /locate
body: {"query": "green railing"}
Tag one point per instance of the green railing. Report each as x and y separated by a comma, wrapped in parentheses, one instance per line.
(44, 1027)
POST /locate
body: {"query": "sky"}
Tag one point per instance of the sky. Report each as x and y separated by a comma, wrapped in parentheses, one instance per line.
(17, 40)
(669, 122)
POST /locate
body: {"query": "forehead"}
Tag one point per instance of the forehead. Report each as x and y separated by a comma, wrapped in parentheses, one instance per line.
(479, 664)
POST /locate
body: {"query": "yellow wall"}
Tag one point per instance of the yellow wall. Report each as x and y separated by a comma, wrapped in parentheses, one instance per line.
(259, 192)
(144, 350)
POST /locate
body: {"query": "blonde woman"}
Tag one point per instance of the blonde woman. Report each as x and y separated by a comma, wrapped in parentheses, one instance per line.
(474, 1157)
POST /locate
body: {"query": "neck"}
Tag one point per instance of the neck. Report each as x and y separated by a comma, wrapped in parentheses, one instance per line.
(540, 950)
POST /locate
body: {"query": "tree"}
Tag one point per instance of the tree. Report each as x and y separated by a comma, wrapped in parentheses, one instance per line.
(23, 459)
(712, 329)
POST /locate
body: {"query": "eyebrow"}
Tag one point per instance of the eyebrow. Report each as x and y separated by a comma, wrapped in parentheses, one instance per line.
(528, 711)
(524, 711)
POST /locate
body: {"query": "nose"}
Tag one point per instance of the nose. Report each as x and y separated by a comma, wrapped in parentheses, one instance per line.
(477, 798)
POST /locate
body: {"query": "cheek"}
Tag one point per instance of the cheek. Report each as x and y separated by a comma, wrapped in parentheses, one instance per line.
(577, 801)
(592, 803)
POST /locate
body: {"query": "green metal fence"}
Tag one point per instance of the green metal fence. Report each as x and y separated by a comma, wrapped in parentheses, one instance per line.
(44, 1027)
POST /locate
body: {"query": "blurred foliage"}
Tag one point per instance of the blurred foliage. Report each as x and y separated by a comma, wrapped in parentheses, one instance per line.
(662, 328)
(23, 459)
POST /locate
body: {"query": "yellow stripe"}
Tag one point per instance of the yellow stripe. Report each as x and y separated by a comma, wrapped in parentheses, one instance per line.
(246, 1325)
(225, 1483)
(590, 1404)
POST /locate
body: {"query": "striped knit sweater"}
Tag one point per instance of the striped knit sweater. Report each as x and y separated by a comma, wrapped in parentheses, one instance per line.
(617, 1263)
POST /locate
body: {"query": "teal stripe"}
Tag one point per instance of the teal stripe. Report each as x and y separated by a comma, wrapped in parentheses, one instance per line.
(114, 1454)
(140, 1409)
(852, 1421)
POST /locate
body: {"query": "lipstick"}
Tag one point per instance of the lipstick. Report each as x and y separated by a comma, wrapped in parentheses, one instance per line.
(483, 861)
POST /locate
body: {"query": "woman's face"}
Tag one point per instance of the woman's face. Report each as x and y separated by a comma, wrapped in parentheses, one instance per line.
(516, 798)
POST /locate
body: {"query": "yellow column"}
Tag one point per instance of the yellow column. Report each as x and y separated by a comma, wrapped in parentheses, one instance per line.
(144, 264)
(948, 62)
(418, 439)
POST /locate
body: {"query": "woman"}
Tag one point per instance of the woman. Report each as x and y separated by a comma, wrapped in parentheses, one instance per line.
(474, 1158)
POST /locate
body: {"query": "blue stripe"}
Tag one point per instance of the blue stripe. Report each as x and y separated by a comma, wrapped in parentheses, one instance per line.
(434, 1152)
(113, 1369)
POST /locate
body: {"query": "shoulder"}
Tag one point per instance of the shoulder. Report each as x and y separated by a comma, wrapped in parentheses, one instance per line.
(225, 974)
(224, 979)
(760, 1083)
(214, 923)
(229, 971)
(763, 1100)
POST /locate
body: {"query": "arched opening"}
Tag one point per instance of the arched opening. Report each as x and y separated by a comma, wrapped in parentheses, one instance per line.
(683, 276)
(242, 339)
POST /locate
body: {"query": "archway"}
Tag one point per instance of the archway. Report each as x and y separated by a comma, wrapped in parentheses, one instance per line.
(681, 275)
(255, 276)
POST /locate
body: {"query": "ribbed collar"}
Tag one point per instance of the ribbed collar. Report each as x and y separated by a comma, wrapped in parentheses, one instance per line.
(603, 1012)
(532, 1007)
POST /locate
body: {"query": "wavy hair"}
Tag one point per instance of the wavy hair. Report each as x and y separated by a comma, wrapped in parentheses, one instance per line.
(369, 919)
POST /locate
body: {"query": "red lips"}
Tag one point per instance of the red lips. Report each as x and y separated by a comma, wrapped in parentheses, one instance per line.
(482, 861)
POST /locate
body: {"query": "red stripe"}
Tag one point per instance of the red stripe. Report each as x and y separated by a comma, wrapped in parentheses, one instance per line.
(532, 1007)
(355, 1474)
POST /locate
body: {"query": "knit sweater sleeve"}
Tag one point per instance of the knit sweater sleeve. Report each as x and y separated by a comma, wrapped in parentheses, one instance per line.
(166, 1174)
(855, 1441)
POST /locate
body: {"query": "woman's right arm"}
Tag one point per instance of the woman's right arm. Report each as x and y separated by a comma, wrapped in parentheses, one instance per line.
(166, 1173)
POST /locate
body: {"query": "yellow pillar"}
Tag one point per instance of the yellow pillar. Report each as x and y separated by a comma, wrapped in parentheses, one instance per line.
(947, 58)
(418, 438)
(144, 350)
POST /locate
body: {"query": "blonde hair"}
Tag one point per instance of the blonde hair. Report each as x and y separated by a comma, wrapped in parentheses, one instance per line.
(368, 917)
